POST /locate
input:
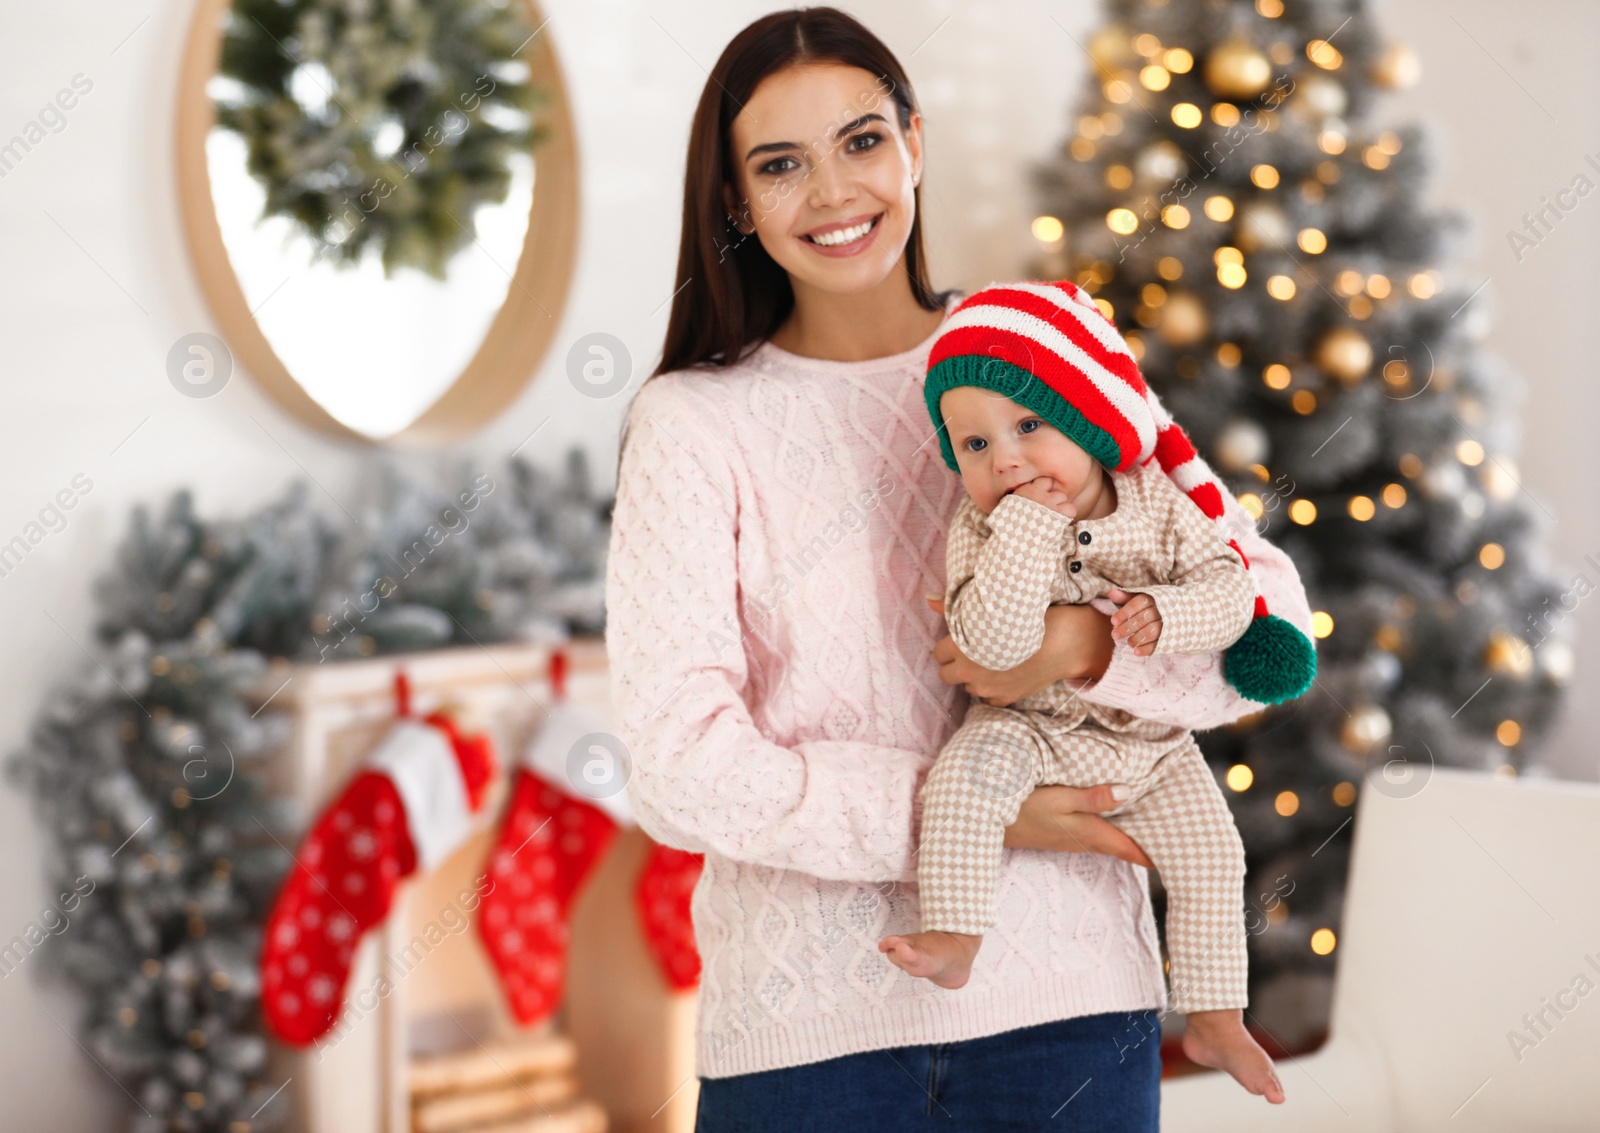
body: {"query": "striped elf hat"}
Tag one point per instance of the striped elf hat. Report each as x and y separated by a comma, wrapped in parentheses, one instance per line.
(1048, 347)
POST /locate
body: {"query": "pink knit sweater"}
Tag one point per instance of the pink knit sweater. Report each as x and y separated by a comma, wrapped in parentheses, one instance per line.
(776, 527)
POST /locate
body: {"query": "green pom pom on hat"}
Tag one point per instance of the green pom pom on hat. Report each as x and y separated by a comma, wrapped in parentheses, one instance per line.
(1271, 662)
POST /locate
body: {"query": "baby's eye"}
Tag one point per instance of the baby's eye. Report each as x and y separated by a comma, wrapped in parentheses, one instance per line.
(975, 444)
(1029, 425)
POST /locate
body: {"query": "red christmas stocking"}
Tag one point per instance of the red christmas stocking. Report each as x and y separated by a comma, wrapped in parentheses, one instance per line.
(410, 808)
(568, 803)
(662, 896)
(547, 847)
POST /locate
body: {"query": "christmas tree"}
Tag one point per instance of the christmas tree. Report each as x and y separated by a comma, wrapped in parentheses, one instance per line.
(1231, 201)
(145, 766)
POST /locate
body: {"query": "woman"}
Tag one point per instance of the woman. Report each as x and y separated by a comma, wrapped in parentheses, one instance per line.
(782, 681)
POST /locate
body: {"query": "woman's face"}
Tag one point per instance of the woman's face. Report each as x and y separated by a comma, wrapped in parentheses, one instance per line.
(825, 175)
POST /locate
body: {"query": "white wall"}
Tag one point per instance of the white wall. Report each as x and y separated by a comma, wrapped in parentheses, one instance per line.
(97, 286)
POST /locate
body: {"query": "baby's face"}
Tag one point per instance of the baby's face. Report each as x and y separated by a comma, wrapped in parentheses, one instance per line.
(1000, 446)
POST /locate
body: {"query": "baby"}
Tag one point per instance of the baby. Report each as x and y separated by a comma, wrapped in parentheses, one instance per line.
(1073, 474)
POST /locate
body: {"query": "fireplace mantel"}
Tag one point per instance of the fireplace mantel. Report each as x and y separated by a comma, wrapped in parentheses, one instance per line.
(634, 1037)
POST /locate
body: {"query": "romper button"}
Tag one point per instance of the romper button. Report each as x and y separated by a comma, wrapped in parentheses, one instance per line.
(1076, 566)
(1083, 536)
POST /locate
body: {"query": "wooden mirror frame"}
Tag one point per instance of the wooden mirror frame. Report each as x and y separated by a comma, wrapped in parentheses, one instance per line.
(522, 329)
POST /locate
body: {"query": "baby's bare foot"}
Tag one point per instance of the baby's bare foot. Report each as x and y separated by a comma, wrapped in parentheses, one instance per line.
(1218, 1039)
(943, 957)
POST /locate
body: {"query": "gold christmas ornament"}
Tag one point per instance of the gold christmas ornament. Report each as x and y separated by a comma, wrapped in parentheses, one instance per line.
(1237, 70)
(1183, 319)
(1443, 480)
(1111, 47)
(1507, 655)
(1366, 728)
(1397, 68)
(1241, 444)
(1261, 225)
(1320, 96)
(1499, 481)
(1556, 659)
(1161, 162)
(1345, 354)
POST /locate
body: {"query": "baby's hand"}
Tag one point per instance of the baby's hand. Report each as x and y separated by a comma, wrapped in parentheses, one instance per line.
(1136, 619)
(1043, 490)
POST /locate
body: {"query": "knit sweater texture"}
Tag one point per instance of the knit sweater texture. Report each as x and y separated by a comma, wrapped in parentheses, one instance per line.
(776, 527)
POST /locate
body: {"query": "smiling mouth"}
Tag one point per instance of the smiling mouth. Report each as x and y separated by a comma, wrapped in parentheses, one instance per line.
(845, 235)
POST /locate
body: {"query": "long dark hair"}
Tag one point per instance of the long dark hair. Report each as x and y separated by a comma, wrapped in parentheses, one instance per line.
(733, 297)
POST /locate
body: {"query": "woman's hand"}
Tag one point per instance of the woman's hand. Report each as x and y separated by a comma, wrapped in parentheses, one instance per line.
(1064, 818)
(1077, 644)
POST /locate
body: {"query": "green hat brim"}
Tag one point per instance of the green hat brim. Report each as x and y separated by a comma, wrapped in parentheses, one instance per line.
(1022, 387)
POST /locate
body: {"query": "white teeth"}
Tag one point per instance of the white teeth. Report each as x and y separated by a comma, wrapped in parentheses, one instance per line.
(842, 235)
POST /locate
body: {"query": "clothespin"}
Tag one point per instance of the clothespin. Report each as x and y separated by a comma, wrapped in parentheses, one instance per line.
(402, 693)
(558, 673)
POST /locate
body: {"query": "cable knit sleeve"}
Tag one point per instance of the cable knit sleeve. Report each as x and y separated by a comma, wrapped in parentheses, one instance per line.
(1188, 689)
(704, 778)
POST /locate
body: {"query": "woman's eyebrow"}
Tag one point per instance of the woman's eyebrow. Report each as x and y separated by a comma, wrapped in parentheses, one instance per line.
(786, 147)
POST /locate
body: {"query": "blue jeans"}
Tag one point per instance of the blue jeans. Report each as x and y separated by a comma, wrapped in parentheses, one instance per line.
(1094, 1072)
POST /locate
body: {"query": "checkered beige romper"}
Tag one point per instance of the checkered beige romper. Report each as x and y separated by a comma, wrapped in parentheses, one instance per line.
(1003, 570)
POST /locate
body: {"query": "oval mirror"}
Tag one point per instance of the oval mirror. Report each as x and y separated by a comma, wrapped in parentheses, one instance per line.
(411, 324)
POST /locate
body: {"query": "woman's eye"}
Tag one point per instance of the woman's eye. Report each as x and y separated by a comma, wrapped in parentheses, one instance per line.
(871, 139)
(772, 167)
